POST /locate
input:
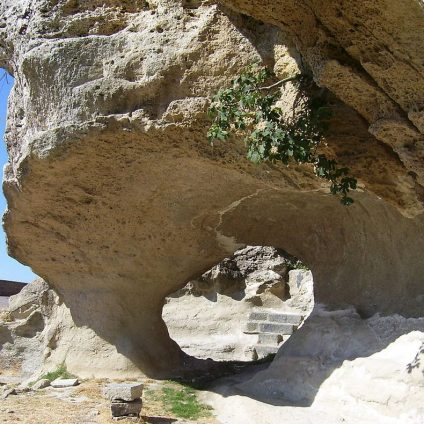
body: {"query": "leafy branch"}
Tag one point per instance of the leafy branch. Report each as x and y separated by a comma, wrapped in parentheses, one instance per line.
(248, 107)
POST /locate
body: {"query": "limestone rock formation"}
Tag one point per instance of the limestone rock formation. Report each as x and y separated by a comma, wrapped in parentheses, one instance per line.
(369, 55)
(209, 317)
(116, 199)
(37, 333)
(336, 368)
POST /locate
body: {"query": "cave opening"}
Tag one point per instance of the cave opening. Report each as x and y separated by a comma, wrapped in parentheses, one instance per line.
(242, 309)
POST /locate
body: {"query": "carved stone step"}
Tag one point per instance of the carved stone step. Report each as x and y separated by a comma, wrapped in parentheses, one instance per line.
(294, 319)
(265, 350)
(252, 327)
(270, 339)
(258, 316)
(275, 328)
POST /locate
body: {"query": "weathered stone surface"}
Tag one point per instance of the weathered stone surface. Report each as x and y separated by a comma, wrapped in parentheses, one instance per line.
(336, 365)
(38, 334)
(223, 300)
(41, 384)
(122, 409)
(117, 200)
(123, 391)
(358, 50)
(61, 383)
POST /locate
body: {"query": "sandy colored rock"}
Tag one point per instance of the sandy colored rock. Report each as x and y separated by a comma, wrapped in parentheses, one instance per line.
(38, 334)
(123, 391)
(337, 366)
(358, 51)
(209, 317)
(117, 200)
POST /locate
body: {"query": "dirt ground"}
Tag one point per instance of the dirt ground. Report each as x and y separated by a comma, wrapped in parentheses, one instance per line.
(82, 404)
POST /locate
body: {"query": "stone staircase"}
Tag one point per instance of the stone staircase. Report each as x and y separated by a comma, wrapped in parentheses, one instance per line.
(273, 329)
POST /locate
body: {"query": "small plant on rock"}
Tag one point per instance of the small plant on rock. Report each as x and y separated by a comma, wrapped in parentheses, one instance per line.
(248, 107)
(60, 372)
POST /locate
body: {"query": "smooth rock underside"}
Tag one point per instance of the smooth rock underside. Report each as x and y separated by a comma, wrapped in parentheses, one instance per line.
(117, 200)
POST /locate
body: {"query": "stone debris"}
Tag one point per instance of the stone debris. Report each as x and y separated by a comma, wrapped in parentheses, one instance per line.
(60, 383)
(41, 384)
(8, 392)
(125, 398)
(126, 392)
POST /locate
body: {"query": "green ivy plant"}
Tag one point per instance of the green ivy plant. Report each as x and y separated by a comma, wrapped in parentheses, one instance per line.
(248, 108)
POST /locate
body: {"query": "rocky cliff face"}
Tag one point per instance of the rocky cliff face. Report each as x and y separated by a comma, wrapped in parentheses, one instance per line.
(369, 55)
(116, 199)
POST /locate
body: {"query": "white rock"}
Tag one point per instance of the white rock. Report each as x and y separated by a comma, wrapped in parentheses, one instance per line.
(64, 382)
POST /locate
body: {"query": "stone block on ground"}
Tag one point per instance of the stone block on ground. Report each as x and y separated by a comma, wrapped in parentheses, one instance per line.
(123, 409)
(123, 391)
(41, 384)
(60, 383)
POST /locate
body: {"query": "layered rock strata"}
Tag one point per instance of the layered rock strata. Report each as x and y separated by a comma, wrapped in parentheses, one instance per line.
(116, 199)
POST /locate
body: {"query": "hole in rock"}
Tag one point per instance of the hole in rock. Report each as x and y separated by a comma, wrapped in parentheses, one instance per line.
(244, 308)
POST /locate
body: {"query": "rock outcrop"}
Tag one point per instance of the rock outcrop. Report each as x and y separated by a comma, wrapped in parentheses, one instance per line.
(209, 316)
(369, 55)
(37, 333)
(116, 199)
(338, 367)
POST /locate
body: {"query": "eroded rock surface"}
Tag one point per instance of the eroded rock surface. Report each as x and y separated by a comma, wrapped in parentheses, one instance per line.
(369, 55)
(116, 199)
(37, 333)
(337, 367)
(209, 317)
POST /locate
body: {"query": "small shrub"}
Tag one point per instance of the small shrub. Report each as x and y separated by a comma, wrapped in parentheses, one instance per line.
(248, 108)
(60, 372)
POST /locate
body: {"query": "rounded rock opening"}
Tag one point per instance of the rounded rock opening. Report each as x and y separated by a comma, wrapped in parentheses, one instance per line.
(244, 308)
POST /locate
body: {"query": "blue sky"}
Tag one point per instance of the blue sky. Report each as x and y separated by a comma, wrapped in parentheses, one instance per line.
(9, 268)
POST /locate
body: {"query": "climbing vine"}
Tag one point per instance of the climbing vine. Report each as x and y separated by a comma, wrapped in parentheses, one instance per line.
(248, 107)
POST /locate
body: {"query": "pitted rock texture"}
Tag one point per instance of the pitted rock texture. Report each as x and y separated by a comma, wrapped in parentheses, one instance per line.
(116, 199)
(369, 55)
(37, 334)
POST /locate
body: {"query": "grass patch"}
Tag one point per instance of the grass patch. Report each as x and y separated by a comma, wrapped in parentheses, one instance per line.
(59, 372)
(179, 400)
(183, 402)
